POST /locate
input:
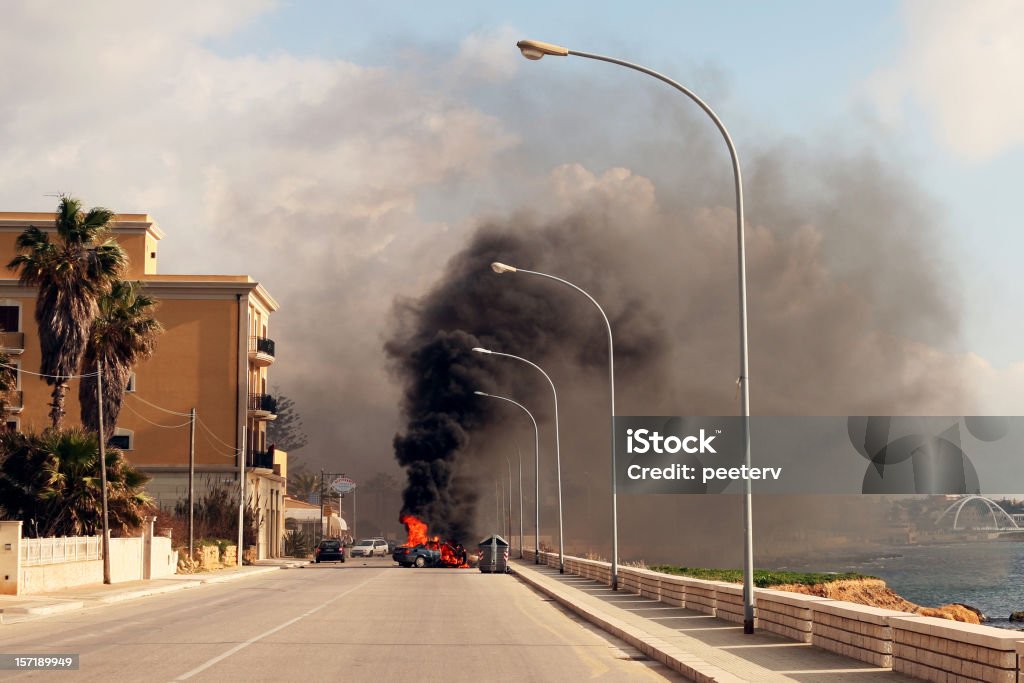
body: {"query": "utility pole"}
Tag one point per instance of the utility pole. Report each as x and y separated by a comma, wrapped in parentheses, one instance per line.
(191, 483)
(519, 453)
(103, 471)
(321, 506)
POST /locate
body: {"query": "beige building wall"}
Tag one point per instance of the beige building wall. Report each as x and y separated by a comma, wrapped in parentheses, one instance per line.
(206, 359)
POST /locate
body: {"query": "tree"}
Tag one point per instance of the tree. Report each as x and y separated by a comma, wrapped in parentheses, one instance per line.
(123, 333)
(52, 482)
(8, 381)
(286, 431)
(71, 274)
(302, 485)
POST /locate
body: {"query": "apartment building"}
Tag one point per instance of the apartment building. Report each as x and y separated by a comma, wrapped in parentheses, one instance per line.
(214, 356)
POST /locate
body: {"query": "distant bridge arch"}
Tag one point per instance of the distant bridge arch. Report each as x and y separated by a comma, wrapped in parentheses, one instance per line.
(993, 508)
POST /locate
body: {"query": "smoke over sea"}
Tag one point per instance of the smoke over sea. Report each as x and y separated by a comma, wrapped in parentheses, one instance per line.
(848, 313)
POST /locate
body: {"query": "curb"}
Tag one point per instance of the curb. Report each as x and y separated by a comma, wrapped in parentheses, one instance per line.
(688, 665)
(183, 584)
(55, 608)
(239, 575)
(145, 592)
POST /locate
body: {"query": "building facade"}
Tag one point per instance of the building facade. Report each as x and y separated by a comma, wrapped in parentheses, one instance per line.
(213, 356)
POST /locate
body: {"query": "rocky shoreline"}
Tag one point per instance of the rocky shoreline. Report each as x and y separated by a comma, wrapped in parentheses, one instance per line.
(876, 593)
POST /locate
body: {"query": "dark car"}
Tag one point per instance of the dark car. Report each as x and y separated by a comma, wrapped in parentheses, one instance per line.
(417, 556)
(330, 550)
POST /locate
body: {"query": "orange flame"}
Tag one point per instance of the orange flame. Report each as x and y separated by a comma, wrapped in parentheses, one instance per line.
(415, 528)
(451, 555)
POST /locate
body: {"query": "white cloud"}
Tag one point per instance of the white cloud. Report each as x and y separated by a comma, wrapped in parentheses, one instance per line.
(487, 56)
(304, 172)
(962, 62)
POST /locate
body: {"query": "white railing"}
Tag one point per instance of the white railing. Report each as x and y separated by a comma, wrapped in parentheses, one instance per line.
(36, 551)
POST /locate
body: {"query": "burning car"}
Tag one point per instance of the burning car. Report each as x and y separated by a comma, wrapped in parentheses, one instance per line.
(422, 551)
(417, 556)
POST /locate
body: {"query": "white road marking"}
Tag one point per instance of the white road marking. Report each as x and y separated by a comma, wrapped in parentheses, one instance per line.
(255, 639)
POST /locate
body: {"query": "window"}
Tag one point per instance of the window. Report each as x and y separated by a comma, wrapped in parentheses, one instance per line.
(123, 439)
(12, 425)
(10, 317)
(130, 387)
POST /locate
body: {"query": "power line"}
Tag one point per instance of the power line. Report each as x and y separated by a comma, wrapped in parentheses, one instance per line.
(203, 425)
(213, 446)
(39, 374)
(234, 451)
(160, 408)
(156, 424)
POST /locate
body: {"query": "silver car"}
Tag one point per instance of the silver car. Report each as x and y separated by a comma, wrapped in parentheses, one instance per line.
(368, 547)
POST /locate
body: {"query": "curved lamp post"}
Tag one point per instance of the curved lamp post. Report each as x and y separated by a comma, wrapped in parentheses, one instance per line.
(504, 268)
(536, 470)
(558, 450)
(533, 49)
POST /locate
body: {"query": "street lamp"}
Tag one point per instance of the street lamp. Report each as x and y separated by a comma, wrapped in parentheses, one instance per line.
(536, 469)
(505, 268)
(510, 527)
(519, 454)
(558, 450)
(534, 50)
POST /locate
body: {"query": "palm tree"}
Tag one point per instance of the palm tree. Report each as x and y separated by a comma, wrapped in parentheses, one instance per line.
(52, 481)
(302, 485)
(123, 333)
(71, 274)
(8, 382)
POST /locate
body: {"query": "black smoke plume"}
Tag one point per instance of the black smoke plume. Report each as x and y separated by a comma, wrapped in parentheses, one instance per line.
(473, 306)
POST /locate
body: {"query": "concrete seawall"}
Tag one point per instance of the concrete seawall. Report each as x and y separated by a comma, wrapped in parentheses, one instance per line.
(924, 648)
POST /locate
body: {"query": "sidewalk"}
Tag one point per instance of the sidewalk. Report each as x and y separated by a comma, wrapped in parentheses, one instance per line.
(696, 645)
(15, 608)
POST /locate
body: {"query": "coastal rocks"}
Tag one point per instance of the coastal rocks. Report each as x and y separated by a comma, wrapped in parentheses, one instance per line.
(1017, 616)
(981, 615)
(876, 593)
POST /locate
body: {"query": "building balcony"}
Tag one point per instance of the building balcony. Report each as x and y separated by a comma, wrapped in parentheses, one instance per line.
(261, 351)
(263, 459)
(262, 407)
(12, 343)
(14, 402)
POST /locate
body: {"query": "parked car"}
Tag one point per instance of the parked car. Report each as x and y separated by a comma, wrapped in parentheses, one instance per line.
(417, 556)
(368, 547)
(330, 550)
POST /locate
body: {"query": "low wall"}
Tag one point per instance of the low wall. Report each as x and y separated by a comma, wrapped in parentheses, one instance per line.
(787, 614)
(924, 648)
(164, 559)
(45, 578)
(126, 558)
(700, 595)
(45, 565)
(941, 650)
(857, 631)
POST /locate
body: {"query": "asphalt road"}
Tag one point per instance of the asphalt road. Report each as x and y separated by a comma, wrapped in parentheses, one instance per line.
(365, 620)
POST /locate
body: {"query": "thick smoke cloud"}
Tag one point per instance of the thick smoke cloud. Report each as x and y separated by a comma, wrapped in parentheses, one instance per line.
(473, 306)
(831, 333)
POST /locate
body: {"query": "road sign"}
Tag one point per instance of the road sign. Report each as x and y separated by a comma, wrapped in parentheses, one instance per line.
(343, 485)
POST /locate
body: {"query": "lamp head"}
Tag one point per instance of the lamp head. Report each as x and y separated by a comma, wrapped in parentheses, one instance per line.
(481, 350)
(502, 268)
(480, 393)
(534, 49)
